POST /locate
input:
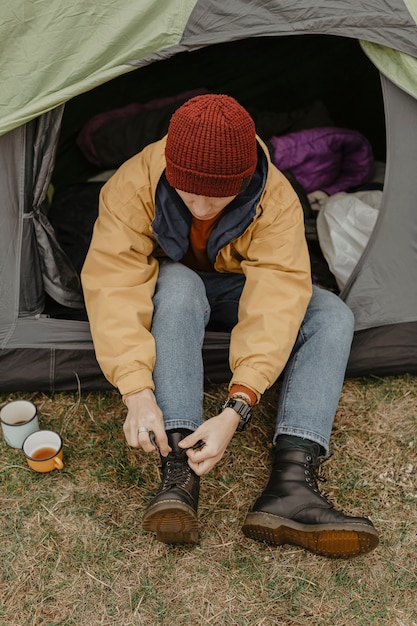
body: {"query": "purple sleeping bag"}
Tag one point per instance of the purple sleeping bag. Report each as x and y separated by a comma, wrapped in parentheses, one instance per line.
(330, 159)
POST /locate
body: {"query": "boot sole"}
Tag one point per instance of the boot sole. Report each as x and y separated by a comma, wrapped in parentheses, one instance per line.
(172, 521)
(330, 540)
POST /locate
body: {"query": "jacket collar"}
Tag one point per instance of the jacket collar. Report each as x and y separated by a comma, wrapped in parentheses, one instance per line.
(172, 219)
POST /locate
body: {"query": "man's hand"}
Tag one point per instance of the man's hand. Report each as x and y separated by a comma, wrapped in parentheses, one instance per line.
(144, 414)
(216, 434)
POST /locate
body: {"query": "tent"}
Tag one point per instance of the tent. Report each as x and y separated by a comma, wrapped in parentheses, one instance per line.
(64, 62)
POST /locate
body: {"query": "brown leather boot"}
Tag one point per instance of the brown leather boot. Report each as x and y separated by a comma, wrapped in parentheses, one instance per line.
(291, 510)
(172, 514)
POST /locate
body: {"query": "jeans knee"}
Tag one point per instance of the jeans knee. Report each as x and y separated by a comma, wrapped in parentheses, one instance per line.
(333, 315)
(339, 320)
(180, 292)
(189, 301)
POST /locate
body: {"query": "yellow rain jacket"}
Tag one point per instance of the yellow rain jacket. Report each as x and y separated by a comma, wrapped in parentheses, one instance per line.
(267, 245)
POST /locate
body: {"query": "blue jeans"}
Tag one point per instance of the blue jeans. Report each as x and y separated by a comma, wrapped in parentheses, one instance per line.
(186, 302)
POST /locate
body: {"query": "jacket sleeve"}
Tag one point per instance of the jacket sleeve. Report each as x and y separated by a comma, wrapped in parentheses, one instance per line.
(277, 289)
(118, 278)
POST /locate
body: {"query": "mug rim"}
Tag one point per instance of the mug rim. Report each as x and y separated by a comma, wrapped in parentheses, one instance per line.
(19, 423)
(28, 456)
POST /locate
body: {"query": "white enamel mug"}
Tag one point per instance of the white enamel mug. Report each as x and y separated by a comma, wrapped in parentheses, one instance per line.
(19, 419)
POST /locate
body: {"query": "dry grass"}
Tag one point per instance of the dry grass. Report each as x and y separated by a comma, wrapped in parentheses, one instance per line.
(73, 552)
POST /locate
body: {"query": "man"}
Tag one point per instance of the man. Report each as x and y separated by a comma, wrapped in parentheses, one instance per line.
(201, 229)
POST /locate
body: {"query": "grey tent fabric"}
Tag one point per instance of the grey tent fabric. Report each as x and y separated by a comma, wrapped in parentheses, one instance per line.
(47, 349)
(60, 280)
(381, 290)
(385, 22)
(12, 146)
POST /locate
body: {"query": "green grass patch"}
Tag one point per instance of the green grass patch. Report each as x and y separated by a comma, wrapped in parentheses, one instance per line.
(73, 552)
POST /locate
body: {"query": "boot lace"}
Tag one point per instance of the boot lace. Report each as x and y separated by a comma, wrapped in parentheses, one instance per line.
(176, 471)
(313, 475)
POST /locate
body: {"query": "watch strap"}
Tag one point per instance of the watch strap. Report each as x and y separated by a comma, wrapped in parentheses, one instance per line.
(243, 409)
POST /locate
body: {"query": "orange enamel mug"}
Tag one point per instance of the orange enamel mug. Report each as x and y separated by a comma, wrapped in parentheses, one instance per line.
(43, 451)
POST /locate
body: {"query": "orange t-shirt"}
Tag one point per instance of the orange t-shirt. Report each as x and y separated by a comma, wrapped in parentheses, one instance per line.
(196, 256)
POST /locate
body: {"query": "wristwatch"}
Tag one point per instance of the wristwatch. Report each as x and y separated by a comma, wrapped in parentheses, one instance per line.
(243, 409)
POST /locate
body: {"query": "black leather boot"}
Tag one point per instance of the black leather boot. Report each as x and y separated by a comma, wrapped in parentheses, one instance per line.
(172, 514)
(291, 510)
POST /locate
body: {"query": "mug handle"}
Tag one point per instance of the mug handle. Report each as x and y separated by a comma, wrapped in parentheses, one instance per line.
(58, 463)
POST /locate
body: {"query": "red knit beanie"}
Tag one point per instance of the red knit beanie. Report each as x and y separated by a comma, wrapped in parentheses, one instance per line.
(211, 147)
